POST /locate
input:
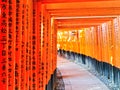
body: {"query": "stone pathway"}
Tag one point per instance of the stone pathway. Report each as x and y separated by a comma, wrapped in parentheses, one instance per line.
(76, 77)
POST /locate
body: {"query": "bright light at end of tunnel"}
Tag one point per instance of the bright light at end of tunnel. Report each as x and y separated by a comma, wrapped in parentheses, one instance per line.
(81, 31)
(58, 46)
(60, 35)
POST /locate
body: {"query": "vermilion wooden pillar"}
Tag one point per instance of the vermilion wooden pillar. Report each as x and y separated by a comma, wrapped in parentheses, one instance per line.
(43, 46)
(4, 45)
(39, 57)
(11, 44)
(18, 41)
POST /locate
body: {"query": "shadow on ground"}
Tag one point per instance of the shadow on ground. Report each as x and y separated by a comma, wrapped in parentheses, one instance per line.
(59, 81)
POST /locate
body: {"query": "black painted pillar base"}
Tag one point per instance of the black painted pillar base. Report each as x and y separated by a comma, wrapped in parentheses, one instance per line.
(52, 82)
(109, 73)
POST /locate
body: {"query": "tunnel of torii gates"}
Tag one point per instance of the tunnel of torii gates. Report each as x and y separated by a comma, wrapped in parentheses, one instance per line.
(28, 39)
